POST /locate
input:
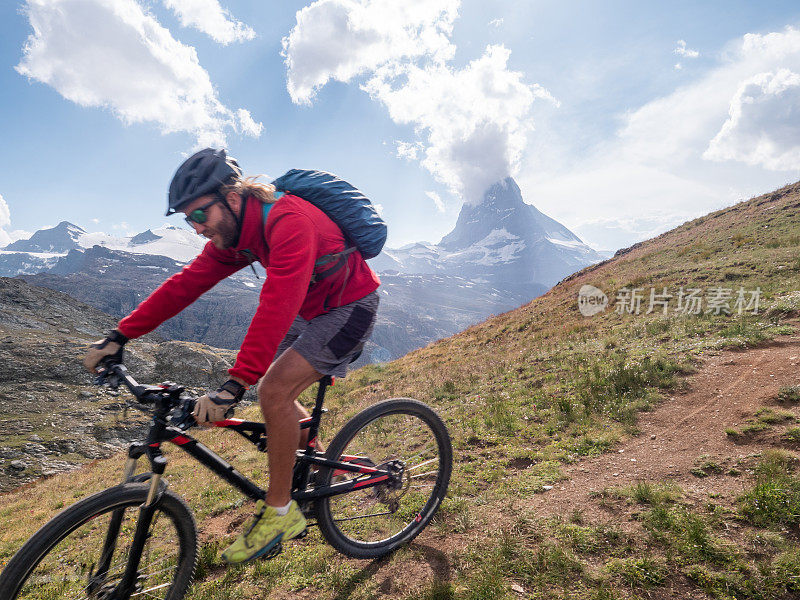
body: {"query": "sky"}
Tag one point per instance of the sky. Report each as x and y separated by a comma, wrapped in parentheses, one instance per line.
(620, 119)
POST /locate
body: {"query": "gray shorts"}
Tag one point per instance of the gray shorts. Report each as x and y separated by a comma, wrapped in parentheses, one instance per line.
(330, 341)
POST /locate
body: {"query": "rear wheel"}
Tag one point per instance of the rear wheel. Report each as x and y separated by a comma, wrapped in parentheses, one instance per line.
(401, 435)
(61, 560)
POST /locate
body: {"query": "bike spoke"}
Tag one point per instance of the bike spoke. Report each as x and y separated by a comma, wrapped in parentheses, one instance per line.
(403, 440)
(64, 573)
(422, 464)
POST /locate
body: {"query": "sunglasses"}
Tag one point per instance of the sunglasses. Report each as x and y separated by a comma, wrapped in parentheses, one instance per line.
(198, 215)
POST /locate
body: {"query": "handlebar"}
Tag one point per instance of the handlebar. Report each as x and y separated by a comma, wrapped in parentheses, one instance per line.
(166, 396)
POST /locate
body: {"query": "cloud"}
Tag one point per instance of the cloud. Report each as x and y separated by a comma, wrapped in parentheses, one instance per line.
(437, 200)
(703, 146)
(495, 22)
(471, 123)
(247, 125)
(408, 150)
(764, 123)
(682, 50)
(340, 39)
(5, 221)
(113, 54)
(210, 18)
(679, 126)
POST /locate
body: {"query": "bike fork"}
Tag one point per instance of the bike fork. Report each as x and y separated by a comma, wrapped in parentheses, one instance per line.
(98, 577)
(146, 511)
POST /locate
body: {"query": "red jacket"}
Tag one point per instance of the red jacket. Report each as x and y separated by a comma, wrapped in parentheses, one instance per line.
(296, 233)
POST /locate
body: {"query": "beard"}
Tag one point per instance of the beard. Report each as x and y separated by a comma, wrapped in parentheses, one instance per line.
(226, 231)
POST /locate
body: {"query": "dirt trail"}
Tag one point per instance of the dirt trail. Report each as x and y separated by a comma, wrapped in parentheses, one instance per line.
(729, 387)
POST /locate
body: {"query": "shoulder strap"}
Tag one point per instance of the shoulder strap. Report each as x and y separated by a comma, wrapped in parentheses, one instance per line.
(339, 258)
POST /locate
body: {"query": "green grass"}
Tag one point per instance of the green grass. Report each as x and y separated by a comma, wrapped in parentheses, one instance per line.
(775, 497)
(639, 572)
(789, 394)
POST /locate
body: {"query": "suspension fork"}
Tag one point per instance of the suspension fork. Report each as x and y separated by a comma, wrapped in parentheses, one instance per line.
(97, 578)
(146, 511)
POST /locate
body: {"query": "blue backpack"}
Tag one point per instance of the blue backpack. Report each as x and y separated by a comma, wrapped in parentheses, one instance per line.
(346, 206)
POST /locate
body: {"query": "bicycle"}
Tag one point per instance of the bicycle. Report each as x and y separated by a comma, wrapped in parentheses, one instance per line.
(138, 539)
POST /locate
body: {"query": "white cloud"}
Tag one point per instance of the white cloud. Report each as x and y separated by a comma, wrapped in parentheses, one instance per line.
(495, 22)
(113, 54)
(437, 200)
(679, 127)
(247, 125)
(706, 145)
(379, 208)
(340, 39)
(5, 221)
(408, 150)
(764, 123)
(471, 123)
(210, 18)
(678, 66)
(682, 50)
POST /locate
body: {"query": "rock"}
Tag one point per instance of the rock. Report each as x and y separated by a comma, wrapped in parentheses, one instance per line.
(34, 438)
(85, 394)
(547, 488)
(18, 465)
(63, 330)
(34, 449)
(190, 363)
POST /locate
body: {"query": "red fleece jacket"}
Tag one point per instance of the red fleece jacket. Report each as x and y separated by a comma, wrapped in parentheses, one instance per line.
(296, 233)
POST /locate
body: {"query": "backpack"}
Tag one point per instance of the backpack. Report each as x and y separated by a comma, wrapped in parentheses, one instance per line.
(346, 206)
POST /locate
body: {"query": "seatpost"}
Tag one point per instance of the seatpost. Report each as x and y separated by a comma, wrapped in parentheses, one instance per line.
(316, 414)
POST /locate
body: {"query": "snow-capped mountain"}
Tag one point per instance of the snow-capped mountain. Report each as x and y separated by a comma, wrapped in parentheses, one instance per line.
(502, 241)
(46, 246)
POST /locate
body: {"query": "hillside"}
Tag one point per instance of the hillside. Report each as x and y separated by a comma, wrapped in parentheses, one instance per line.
(541, 403)
(52, 419)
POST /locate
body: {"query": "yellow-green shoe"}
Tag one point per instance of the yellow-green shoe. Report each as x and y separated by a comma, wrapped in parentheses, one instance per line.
(264, 532)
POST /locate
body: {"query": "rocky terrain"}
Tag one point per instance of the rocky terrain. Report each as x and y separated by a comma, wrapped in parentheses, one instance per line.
(415, 309)
(52, 417)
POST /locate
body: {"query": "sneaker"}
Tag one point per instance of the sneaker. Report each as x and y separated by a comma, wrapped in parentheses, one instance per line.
(264, 532)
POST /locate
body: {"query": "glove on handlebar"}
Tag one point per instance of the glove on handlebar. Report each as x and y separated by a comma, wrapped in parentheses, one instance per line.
(113, 336)
(211, 407)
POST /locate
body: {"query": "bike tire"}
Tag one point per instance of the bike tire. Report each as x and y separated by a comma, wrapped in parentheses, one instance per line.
(365, 539)
(80, 518)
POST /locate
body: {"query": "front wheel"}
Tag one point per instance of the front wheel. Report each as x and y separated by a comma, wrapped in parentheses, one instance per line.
(74, 556)
(401, 435)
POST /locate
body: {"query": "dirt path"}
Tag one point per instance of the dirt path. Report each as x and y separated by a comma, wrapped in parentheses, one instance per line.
(728, 389)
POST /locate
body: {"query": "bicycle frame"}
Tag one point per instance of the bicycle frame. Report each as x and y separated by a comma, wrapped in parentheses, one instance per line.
(255, 433)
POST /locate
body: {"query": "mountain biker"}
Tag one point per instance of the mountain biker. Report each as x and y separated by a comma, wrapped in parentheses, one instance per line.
(308, 323)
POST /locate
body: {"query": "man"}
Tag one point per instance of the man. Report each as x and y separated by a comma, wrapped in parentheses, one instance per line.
(314, 318)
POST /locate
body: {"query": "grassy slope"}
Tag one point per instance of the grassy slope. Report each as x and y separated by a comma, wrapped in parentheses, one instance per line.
(523, 394)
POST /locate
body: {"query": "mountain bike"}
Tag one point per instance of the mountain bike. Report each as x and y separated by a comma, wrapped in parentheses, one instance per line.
(377, 486)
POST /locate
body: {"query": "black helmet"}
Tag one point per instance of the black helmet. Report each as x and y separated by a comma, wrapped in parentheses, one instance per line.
(201, 174)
